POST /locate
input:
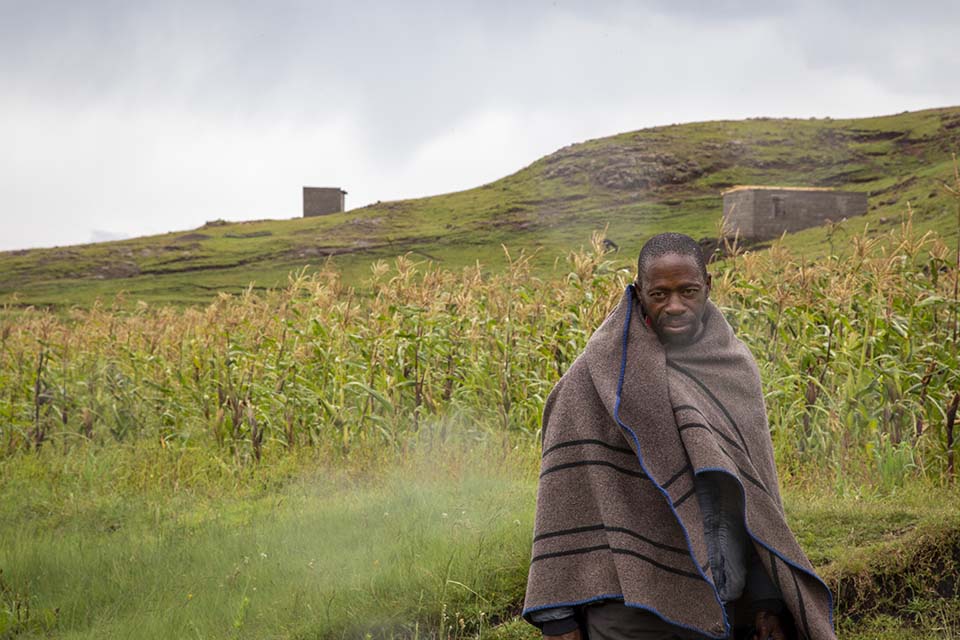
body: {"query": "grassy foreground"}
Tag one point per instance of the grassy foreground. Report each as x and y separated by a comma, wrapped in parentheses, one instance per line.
(146, 542)
(95, 545)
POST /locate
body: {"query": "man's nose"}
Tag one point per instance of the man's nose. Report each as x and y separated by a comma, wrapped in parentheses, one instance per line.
(674, 306)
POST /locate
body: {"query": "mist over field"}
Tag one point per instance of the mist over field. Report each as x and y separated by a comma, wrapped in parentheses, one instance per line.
(322, 554)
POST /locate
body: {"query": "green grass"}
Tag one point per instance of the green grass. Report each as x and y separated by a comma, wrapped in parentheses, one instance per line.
(419, 545)
(157, 542)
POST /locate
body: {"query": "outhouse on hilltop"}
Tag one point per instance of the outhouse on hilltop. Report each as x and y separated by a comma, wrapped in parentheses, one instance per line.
(321, 201)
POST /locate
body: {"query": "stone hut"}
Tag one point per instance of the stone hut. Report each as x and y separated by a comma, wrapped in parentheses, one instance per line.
(762, 213)
(321, 201)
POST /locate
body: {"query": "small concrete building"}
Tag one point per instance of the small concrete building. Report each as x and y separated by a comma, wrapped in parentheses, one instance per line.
(762, 213)
(321, 201)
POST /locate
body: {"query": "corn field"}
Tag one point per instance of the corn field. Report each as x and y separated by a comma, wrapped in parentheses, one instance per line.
(858, 355)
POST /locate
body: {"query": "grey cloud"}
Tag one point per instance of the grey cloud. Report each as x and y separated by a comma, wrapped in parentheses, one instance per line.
(194, 93)
(408, 68)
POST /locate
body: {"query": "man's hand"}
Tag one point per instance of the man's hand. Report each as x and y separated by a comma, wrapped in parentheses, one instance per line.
(570, 635)
(768, 626)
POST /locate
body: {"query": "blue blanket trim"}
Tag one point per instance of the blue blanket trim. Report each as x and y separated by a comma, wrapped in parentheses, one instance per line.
(743, 497)
(636, 441)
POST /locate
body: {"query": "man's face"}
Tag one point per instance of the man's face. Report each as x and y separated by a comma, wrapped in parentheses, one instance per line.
(674, 296)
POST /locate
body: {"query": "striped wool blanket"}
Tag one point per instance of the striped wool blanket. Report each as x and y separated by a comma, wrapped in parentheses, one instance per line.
(624, 432)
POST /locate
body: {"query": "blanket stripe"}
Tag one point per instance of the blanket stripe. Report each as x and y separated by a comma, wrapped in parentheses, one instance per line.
(587, 463)
(573, 443)
(673, 365)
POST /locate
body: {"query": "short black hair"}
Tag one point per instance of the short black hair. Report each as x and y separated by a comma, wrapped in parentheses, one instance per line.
(666, 243)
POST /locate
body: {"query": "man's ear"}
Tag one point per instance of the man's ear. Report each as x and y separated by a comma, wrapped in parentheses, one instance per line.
(636, 295)
(709, 284)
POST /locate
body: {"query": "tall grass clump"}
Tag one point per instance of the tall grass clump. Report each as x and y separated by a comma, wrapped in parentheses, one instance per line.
(314, 364)
(857, 352)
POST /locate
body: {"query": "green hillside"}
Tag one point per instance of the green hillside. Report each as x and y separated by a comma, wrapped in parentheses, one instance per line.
(635, 184)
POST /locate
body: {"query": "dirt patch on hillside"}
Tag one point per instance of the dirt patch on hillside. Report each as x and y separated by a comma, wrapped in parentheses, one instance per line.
(352, 226)
(623, 167)
(895, 187)
(950, 121)
(249, 234)
(867, 135)
(191, 237)
(319, 251)
(646, 172)
(52, 256)
(113, 270)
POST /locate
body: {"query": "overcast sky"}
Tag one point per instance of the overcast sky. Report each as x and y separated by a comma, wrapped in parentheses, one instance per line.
(121, 118)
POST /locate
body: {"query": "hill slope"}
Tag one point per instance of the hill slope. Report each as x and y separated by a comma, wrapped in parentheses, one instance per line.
(636, 184)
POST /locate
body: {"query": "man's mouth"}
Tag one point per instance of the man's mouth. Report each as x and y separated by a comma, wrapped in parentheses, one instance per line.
(675, 327)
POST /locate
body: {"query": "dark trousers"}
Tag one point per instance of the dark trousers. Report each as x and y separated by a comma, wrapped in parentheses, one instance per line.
(613, 621)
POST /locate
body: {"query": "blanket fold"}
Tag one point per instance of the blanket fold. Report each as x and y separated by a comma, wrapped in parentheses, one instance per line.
(625, 431)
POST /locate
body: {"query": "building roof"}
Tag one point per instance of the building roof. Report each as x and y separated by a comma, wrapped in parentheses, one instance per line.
(325, 189)
(748, 187)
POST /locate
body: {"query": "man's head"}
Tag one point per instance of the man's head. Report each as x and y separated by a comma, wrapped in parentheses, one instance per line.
(673, 285)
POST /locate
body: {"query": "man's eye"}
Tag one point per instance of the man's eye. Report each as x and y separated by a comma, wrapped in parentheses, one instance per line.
(658, 295)
(692, 291)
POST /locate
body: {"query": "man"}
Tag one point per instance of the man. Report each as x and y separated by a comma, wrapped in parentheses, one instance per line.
(658, 511)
